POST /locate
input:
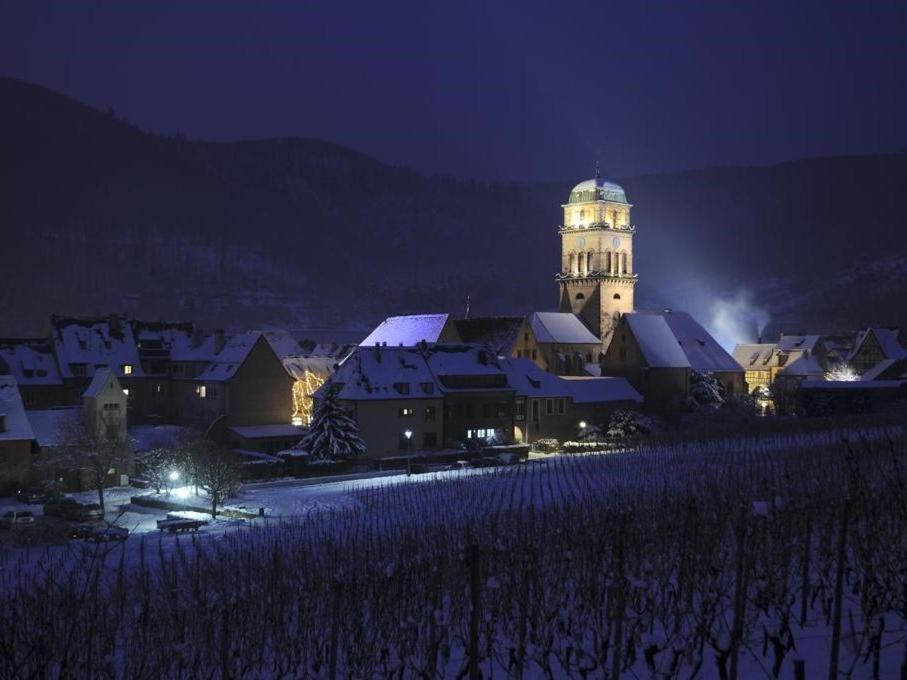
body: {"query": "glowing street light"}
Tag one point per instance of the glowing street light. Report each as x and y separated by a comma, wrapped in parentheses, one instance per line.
(174, 475)
(582, 424)
(409, 445)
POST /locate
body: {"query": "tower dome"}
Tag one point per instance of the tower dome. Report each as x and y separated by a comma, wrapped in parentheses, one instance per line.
(597, 189)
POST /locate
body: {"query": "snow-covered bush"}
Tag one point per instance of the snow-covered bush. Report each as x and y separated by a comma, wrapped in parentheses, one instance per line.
(547, 445)
(590, 433)
(842, 373)
(628, 423)
(333, 434)
(706, 389)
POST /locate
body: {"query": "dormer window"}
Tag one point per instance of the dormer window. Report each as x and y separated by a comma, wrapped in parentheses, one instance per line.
(428, 388)
(127, 369)
(402, 387)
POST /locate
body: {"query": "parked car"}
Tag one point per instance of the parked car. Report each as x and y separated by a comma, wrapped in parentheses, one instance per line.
(17, 519)
(34, 495)
(104, 532)
(69, 508)
(81, 530)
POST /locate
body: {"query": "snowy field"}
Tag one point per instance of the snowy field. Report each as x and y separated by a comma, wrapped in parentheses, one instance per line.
(674, 562)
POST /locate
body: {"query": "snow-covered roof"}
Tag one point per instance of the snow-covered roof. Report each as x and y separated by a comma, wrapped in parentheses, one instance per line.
(805, 365)
(888, 339)
(409, 331)
(101, 377)
(756, 356)
(284, 343)
(231, 357)
(597, 189)
(95, 343)
(266, 431)
(852, 384)
(656, 341)
(147, 437)
(462, 360)
(877, 370)
(793, 343)
(31, 361)
(501, 333)
(182, 341)
(51, 425)
(587, 390)
(561, 328)
(531, 381)
(381, 373)
(16, 425)
(701, 349)
(321, 366)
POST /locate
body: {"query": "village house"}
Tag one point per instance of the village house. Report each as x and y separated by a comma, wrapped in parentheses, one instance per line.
(245, 397)
(16, 437)
(550, 406)
(63, 433)
(877, 349)
(566, 346)
(31, 361)
(412, 329)
(704, 353)
(645, 351)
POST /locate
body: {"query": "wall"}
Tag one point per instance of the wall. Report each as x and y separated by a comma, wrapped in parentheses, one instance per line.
(381, 424)
(657, 385)
(463, 411)
(15, 458)
(261, 391)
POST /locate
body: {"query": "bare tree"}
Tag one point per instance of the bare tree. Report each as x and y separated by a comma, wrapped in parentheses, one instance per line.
(216, 471)
(100, 451)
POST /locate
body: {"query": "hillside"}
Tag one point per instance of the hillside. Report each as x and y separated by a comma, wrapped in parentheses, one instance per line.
(97, 215)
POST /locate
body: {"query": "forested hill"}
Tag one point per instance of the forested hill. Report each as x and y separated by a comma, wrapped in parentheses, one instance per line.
(97, 215)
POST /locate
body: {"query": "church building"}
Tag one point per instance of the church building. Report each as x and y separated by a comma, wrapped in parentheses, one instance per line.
(596, 279)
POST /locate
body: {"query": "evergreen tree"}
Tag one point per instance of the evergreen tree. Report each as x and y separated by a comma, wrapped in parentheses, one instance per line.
(333, 434)
(705, 389)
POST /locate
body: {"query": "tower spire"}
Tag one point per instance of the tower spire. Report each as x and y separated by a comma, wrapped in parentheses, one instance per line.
(598, 170)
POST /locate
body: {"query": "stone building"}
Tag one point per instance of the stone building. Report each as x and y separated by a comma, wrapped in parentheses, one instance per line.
(596, 280)
(16, 437)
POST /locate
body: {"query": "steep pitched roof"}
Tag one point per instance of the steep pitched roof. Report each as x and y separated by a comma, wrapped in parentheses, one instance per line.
(756, 356)
(181, 341)
(531, 381)
(889, 340)
(409, 331)
(804, 366)
(794, 343)
(95, 343)
(98, 383)
(372, 373)
(232, 356)
(561, 328)
(30, 360)
(701, 349)
(16, 425)
(656, 340)
(501, 333)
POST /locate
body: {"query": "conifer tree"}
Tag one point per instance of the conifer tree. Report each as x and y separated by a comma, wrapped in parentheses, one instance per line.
(333, 434)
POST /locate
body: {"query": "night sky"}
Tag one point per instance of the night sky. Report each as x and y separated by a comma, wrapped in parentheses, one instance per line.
(493, 90)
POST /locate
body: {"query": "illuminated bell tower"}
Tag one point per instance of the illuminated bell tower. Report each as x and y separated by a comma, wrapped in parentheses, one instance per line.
(596, 279)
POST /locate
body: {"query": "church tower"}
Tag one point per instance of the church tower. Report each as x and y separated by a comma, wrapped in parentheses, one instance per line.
(596, 279)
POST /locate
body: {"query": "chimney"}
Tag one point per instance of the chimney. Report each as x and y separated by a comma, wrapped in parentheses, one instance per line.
(197, 337)
(219, 340)
(2, 422)
(115, 323)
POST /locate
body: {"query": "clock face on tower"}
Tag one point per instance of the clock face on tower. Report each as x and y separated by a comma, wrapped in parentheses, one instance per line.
(581, 242)
(616, 242)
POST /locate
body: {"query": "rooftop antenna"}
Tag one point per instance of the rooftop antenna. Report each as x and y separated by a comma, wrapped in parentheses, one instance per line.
(598, 170)
(467, 307)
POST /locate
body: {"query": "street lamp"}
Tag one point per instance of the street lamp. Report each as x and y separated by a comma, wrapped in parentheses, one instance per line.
(174, 475)
(582, 424)
(409, 445)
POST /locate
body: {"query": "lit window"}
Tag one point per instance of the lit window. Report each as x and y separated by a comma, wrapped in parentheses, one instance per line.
(297, 421)
(126, 391)
(201, 391)
(405, 411)
(127, 369)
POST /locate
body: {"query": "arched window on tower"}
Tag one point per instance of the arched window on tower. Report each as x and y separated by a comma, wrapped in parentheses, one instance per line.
(582, 263)
(590, 261)
(623, 263)
(617, 296)
(614, 219)
(580, 296)
(582, 215)
(572, 263)
(607, 261)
